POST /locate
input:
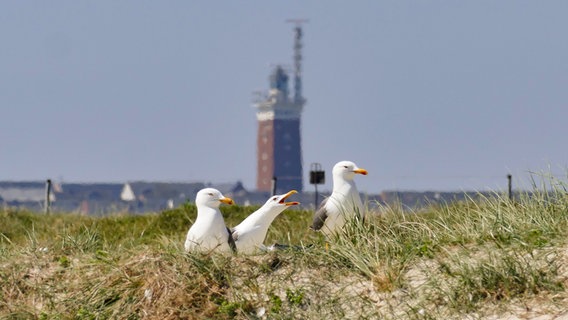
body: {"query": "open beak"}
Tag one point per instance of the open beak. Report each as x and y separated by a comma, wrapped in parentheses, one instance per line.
(360, 171)
(294, 203)
(226, 200)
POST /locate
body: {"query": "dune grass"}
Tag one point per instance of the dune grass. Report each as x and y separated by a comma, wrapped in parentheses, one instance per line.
(487, 257)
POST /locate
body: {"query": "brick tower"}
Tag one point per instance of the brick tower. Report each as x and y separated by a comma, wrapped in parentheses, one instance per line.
(279, 148)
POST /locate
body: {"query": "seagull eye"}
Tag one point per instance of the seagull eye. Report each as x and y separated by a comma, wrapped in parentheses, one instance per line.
(274, 199)
(210, 193)
(346, 167)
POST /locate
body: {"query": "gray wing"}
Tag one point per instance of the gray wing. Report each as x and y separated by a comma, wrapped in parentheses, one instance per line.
(320, 216)
(232, 238)
(234, 234)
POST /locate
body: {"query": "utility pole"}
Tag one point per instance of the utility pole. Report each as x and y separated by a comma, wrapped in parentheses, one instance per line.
(48, 196)
(510, 186)
(273, 187)
(317, 176)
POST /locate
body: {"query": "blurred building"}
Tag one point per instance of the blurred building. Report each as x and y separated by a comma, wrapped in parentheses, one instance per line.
(147, 197)
(279, 147)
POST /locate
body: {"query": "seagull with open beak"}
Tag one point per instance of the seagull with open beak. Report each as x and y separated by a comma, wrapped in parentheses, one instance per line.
(249, 235)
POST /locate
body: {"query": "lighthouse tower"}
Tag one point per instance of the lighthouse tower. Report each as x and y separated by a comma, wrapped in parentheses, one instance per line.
(279, 148)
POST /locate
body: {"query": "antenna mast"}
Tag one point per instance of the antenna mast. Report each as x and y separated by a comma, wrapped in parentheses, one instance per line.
(297, 58)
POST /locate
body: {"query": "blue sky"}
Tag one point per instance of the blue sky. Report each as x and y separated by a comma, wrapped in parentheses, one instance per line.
(425, 95)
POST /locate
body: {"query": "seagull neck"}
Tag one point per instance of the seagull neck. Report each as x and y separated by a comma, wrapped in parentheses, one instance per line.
(208, 212)
(344, 186)
(265, 215)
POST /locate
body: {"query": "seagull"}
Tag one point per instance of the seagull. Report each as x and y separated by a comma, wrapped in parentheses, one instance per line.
(344, 202)
(209, 232)
(249, 235)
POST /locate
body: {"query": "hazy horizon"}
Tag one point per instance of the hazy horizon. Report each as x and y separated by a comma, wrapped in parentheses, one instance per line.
(424, 95)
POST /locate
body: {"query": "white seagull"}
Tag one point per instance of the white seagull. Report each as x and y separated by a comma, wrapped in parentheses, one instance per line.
(249, 235)
(209, 231)
(344, 202)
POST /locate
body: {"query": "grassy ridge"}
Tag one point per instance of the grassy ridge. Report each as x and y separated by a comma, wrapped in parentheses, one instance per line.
(489, 257)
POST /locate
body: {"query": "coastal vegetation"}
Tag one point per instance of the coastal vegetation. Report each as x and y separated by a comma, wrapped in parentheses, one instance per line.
(488, 257)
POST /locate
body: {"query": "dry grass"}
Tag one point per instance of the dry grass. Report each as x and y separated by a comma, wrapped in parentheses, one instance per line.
(491, 258)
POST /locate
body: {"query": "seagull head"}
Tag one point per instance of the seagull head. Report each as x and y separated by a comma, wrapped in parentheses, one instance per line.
(346, 170)
(279, 201)
(211, 197)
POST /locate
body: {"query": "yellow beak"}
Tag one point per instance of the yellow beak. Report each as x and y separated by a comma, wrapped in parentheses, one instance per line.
(361, 171)
(227, 200)
(293, 203)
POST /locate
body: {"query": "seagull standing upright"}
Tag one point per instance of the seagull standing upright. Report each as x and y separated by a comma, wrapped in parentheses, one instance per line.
(249, 235)
(344, 202)
(209, 231)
